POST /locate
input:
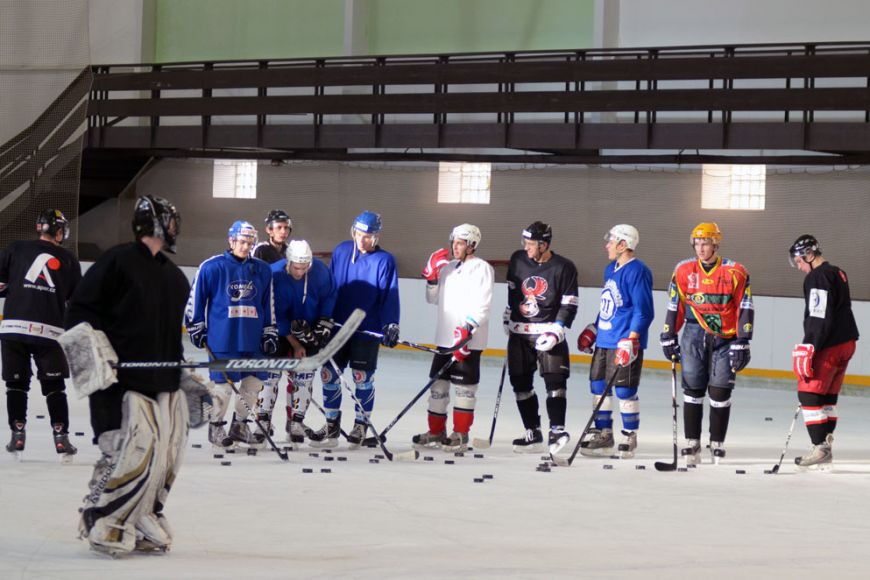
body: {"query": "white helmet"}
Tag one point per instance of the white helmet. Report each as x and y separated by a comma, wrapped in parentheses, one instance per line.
(625, 232)
(298, 252)
(467, 232)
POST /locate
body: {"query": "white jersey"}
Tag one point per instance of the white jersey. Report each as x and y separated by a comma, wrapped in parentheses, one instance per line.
(463, 293)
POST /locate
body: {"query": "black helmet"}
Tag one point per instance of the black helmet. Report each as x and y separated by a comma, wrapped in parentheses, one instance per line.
(155, 216)
(277, 215)
(51, 221)
(539, 232)
(802, 246)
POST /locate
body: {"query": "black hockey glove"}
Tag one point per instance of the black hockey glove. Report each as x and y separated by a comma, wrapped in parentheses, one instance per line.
(391, 335)
(738, 353)
(670, 346)
(302, 332)
(269, 340)
(323, 329)
(197, 334)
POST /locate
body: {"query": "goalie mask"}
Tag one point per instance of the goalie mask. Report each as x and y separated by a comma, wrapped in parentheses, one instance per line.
(157, 217)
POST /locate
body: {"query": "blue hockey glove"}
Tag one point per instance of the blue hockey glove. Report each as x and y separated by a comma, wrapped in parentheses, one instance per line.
(391, 335)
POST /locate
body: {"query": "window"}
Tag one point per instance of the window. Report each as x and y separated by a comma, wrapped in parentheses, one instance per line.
(234, 179)
(464, 182)
(733, 187)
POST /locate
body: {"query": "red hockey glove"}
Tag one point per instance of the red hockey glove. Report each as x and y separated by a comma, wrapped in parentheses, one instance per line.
(626, 351)
(461, 335)
(437, 260)
(586, 340)
(802, 359)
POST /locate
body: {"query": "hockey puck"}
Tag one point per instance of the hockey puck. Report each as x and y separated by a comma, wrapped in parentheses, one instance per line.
(325, 470)
(374, 460)
(252, 451)
(693, 466)
(545, 457)
(682, 469)
(768, 418)
(329, 458)
(342, 458)
(740, 472)
(768, 471)
(640, 467)
(314, 455)
(226, 463)
(327, 450)
(542, 469)
(449, 461)
(607, 466)
(218, 456)
(487, 476)
(428, 458)
(478, 480)
(197, 445)
(307, 470)
(230, 450)
(459, 454)
(615, 457)
(478, 455)
(40, 416)
(379, 456)
(80, 433)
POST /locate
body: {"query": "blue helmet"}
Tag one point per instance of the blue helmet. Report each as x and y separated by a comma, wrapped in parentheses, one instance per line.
(242, 229)
(368, 222)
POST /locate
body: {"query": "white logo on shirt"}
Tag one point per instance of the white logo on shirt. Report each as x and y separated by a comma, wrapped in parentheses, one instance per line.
(40, 270)
(818, 302)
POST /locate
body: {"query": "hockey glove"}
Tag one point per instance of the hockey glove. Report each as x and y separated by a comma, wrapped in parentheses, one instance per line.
(586, 340)
(802, 359)
(391, 335)
(323, 329)
(670, 346)
(506, 320)
(197, 334)
(301, 331)
(550, 338)
(738, 353)
(437, 260)
(626, 351)
(269, 340)
(461, 336)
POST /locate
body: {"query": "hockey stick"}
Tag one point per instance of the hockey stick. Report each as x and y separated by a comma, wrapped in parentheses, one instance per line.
(775, 468)
(567, 462)
(484, 443)
(308, 363)
(423, 347)
(404, 456)
(282, 454)
(664, 465)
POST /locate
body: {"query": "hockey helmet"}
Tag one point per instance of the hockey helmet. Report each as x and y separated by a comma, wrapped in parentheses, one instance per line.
(243, 230)
(538, 232)
(278, 215)
(468, 232)
(158, 217)
(368, 222)
(625, 233)
(805, 244)
(298, 252)
(706, 231)
(51, 221)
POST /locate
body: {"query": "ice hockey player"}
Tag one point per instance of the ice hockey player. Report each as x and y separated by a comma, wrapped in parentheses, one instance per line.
(820, 361)
(37, 278)
(542, 304)
(619, 336)
(461, 288)
(305, 296)
(278, 228)
(135, 295)
(366, 277)
(231, 311)
(711, 295)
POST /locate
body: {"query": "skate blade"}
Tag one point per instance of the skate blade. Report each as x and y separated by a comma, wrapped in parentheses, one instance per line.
(597, 452)
(626, 454)
(818, 467)
(536, 448)
(17, 456)
(327, 444)
(481, 443)
(427, 446)
(67, 458)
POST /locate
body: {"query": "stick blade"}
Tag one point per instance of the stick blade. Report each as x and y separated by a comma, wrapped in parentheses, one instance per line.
(481, 443)
(412, 455)
(561, 461)
(665, 466)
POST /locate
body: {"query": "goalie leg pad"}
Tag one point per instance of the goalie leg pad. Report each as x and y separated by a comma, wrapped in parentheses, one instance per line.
(439, 397)
(221, 393)
(90, 357)
(122, 477)
(249, 388)
(198, 392)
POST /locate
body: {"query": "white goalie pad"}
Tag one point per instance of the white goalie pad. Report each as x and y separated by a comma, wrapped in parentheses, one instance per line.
(200, 403)
(90, 357)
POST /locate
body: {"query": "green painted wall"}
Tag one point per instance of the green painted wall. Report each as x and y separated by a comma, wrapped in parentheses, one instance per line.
(190, 30)
(433, 26)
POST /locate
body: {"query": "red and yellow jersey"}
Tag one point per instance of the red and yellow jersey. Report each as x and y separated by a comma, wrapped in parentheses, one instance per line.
(720, 299)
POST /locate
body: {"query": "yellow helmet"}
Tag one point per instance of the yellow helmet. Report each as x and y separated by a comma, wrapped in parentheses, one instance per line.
(706, 230)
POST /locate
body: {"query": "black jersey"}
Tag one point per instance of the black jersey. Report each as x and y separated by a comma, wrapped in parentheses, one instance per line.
(37, 278)
(138, 300)
(267, 252)
(544, 292)
(828, 318)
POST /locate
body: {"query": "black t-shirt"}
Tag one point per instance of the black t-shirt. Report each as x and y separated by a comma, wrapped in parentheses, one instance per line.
(544, 292)
(828, 318)
(267, 252)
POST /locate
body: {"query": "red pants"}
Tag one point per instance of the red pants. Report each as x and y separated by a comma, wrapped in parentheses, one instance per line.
(829, 368)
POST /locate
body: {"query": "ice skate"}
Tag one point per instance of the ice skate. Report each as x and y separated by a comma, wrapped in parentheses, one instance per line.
(531, 442)
(628, 445)
(600, 444)
(456, 442)
(17, 441)
(429, 440)
(820, 457)
(296, 431)
(217, 435)
(356, 435)
(327, 436)
(717, 449)
(692, 453)
(258, 436)
(62, 444)
(557, 439)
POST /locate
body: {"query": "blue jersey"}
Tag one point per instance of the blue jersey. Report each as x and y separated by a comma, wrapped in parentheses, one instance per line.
(307, 299)
(234, 299)
(368, 281)
(626, 303)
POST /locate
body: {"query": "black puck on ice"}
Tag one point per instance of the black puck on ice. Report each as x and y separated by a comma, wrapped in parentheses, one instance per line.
(252, 451)
(693, 465)
(342, 458)
(768, 418)
(40, 416)
(640, 467)
(230, 450)
(740, 472)
(545, 457)
(607, 466)
(307, 470)
(379, 456)
(80, 433)
(327, 450)
(542, 469)
(615, 457)
(682, 469)
(487, 476)
(226, 463)
(374, 460)
(428, 458)
(478, 455)
(314, 454)
(478, 480)
(768, 471)
(197, 445)
(218, 456)
(459, 454)
(329, 458)
(449, 461)
(325, 470)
